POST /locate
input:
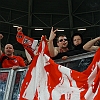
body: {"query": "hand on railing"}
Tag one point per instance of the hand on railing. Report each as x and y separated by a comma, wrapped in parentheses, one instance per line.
(15, 67)
(64, 57)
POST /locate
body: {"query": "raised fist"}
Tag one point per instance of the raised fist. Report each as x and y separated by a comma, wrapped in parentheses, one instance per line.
(19, 29)
(1, 36)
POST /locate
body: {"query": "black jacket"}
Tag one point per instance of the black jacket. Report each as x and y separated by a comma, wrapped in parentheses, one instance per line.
(76, 50)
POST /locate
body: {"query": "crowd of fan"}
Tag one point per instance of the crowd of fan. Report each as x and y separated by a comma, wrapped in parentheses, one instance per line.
(9, 60)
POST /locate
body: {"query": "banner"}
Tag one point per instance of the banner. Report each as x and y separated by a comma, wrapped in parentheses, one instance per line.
(46, 80)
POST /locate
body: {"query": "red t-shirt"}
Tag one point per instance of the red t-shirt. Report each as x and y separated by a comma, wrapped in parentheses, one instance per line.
(12, 61)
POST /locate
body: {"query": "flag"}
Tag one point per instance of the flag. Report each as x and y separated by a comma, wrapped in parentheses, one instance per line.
(28, 43)
(46, 80)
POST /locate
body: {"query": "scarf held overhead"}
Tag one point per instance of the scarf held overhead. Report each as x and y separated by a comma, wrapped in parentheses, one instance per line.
(46, 80)
(28, 43)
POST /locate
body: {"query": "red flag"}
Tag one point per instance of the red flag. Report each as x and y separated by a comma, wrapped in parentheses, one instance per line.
(46, 80)
(28, 43)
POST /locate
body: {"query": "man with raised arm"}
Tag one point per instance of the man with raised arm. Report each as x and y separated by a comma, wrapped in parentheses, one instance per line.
(62, 43)
(92, 45)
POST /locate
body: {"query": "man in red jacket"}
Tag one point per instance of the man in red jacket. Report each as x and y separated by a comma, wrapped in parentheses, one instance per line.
(8, 59)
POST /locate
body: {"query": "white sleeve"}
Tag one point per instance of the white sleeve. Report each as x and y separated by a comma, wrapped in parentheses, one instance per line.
(28, 56)
(34, 44)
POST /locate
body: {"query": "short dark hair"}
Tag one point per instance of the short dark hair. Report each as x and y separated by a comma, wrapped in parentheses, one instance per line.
(76, 34)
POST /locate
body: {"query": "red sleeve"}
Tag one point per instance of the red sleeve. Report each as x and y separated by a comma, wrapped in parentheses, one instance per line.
(2, 56)
(26, 42)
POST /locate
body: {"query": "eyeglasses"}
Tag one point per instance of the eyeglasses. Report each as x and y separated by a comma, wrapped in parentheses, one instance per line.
(63, 40)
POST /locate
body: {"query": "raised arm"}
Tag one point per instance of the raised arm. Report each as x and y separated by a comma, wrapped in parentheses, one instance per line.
(52, 50)
(28, 43)
(28, 56)
(1, 36)
(89, 46)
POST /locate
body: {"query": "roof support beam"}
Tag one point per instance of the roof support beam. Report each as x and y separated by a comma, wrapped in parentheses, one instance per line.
(70, 15)
(29, 17)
